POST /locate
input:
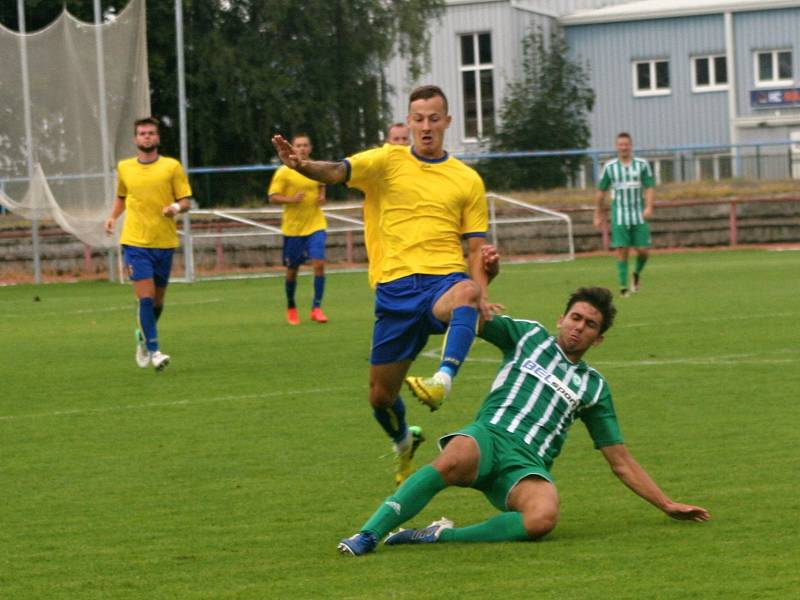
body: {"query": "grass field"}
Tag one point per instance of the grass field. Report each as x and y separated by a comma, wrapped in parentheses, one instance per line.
(234, 473)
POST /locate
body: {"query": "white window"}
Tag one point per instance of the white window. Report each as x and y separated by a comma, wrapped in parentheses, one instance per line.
(773, 68)
(709, 73)
(651, 78)
(477, 85)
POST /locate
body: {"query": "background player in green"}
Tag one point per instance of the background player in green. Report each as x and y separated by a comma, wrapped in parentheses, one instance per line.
(631, 181)
(540, 389)
(304, 229)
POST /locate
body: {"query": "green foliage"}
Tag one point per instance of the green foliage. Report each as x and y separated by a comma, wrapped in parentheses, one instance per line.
(234, 473)
(547, 109)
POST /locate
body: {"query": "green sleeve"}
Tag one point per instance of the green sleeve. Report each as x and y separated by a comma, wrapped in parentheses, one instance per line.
(605, 181)
(648, 180)
(601, 421)
(504, 332)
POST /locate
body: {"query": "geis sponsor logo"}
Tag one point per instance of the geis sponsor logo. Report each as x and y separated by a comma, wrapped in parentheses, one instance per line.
(558, 386)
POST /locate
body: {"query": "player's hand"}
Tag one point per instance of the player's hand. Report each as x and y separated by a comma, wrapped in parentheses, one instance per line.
(285, 151)
(169, 211)
(647, 212)
(598, 221)
(298, 197)
(109, 225)
(491, 260)
(687, 512)
(490, 309)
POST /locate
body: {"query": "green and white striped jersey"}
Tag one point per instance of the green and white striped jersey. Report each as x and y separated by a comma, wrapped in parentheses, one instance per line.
(628, 183)
(538, 393)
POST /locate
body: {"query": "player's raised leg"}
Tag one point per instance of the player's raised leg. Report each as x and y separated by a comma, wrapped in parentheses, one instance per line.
(458, 307)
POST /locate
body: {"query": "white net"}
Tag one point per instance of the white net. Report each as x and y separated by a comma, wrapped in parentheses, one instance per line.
(71, 153)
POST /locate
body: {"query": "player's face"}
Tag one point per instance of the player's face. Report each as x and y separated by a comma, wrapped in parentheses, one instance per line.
(624, 147)
(579, 329)
(428, 120)
(398, 136)
(146, 138)
(302, 145)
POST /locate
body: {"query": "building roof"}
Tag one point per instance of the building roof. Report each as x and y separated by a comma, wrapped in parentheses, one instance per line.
(663, 9)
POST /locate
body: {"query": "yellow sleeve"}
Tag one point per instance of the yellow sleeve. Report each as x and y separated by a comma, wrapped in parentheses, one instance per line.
(122, 190)
(180, 183)
(365, 167)
(475, 218)
(278, 183)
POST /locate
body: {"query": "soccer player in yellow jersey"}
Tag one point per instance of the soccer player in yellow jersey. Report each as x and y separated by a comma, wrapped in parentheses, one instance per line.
(427, 203)
(303, 226)
(152, 190)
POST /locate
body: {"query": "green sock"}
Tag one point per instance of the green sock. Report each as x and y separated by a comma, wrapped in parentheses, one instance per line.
(407, 501)
(622, 270)
(505, 527)
(641, 261)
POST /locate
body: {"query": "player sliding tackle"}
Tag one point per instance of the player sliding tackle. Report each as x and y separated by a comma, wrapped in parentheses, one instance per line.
(507, 453)
(427, 202)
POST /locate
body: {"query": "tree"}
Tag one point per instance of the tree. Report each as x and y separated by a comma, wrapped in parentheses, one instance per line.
(546, 109)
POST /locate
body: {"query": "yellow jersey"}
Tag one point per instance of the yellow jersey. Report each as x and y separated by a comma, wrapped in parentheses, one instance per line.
(416, 211)
(302, 218)
(147, 188)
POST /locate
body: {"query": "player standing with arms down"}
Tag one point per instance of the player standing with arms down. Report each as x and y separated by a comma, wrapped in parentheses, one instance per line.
(632, 183)
(542, 387)
(427, 202)
(303, 226)
(153, 189)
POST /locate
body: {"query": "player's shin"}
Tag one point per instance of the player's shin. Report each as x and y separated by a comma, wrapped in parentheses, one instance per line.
(458, 341)
(392, 420)
(505, 527)
(406, 502)
(147, 323)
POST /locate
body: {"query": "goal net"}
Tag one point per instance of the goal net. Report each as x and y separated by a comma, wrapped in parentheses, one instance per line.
(57, 152)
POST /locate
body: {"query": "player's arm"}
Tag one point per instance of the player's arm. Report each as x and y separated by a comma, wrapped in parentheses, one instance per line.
(478, 273)
(116, 210)
(600, 208)
(318, 170)
(491, 261)
(284, 199)
(649, 202)
(631, 473)
(179, 206)
(321, 198)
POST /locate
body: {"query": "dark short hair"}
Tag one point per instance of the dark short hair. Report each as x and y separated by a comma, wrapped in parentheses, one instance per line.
(599, 297)
(624, 134)
(146, 121)
(398, 124)
(301, 134)
(426, 92)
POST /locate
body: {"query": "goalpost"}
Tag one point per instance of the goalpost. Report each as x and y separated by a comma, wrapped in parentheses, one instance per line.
(246, 242)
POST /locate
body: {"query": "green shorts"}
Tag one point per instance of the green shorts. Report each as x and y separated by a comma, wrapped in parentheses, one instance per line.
(503, 462)
(630, 236)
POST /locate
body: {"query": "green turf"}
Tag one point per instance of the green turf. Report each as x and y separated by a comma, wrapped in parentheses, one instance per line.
(234, 473)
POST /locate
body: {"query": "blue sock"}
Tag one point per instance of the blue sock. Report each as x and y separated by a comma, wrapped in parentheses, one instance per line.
(459, 338)
(319, 289)
(291, 286)
(393, 420)
(157, 310)
(147, 322)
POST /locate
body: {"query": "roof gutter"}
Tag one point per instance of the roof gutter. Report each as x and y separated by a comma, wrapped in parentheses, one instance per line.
(592, 17)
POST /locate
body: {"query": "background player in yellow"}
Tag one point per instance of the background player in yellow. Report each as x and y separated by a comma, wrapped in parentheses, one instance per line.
(427, 203)
(303, 226)
(152, 189)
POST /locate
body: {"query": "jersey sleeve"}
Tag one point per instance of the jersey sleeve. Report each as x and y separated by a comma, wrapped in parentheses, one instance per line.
(605, 180)
(180, 183)
(601, 419)
(475, 219)
(504, 332)
(122, 189)
(648, 180)
(277, 184)
(365, 167)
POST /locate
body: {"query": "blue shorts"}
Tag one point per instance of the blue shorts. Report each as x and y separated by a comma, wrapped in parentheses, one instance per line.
(404, 315)
(297, 249)
(149, 263)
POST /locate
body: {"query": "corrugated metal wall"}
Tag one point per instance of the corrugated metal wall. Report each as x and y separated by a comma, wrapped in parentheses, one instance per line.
(682, 117)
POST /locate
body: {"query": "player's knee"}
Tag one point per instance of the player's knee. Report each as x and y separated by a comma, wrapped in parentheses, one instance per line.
(453, 469)
(467, 293)
(380, 396)
(539, 522)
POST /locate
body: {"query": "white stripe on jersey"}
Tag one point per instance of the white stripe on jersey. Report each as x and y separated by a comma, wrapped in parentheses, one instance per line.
(557, 429)
(537, 391)
(522, 375)
(501, 377)
(550, 407)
